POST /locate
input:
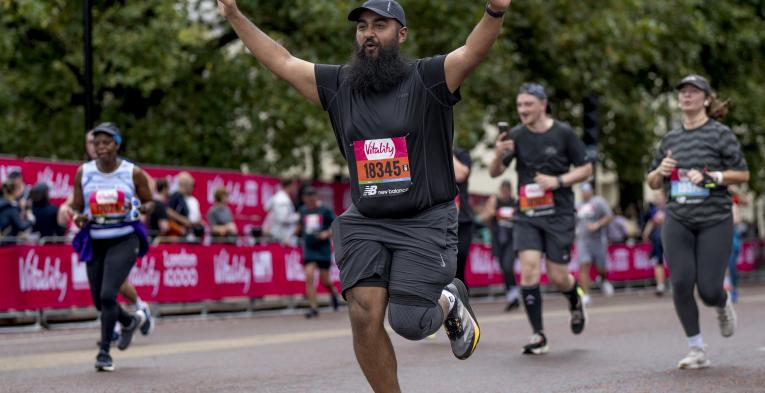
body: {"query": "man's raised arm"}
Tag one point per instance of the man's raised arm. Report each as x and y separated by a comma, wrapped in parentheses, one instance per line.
(462, 61)
(297, 72)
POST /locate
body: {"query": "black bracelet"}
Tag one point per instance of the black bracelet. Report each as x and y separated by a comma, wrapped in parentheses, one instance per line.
(494, 14)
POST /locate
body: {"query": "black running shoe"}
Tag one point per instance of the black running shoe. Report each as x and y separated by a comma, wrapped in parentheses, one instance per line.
(104, 361)
(312, 313)
(461, 325)
(537, 345)
(127, 332)
(578, 313)
(512, 305)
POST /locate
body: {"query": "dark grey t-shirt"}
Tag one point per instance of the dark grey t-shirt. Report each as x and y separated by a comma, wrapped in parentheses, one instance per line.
(551, 153)
(398, 144)
(219, 215)
(711, 147)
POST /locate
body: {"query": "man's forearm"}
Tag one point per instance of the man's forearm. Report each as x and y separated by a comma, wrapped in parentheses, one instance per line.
(496, 167)
(482, 37)
(577, 175)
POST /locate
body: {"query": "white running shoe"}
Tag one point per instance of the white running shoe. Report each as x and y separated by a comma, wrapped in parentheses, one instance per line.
(696, 358)
(608, 288)
(586, 299)
(727, 318)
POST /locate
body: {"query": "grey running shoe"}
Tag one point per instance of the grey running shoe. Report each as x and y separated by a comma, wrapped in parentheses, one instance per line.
(537, 345)
(127, 332)
(578, 312)
(727, 318)
(104, 361)
(696, 358)
(461, 325)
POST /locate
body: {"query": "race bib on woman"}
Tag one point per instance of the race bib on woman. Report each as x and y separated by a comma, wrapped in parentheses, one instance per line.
(108, 206)
(382, 167)
(535, 201)
(682, 189)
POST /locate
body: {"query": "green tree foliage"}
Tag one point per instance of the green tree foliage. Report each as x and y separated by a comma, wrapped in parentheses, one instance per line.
(175, 77)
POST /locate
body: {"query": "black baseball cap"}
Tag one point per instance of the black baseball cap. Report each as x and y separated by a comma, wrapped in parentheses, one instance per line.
(387, 8)
(695, 81)
(110, 129)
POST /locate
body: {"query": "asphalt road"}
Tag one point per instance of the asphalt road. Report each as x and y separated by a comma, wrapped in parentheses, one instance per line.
(631, 344)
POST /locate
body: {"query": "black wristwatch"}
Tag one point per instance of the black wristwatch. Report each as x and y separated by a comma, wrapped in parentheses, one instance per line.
(560, 181)
(494, 14)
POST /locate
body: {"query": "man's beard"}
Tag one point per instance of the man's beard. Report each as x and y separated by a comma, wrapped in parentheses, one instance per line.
(367, 74)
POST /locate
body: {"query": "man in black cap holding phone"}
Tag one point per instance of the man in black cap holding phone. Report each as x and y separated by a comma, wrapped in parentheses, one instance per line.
(544, 150)
(396, 246)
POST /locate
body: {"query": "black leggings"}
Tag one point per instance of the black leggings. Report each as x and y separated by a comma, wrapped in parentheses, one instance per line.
(464, 239)
(111, 264)
(697, 258)
(505, 253)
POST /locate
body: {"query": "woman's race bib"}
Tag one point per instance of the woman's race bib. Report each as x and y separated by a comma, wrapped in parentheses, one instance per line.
(682, 190)
(108, 206)
(534, 201)
(382, 167)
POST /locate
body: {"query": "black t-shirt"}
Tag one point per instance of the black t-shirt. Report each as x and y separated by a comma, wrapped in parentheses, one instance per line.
(46, 222)
(177, 202)
(711, 147)
(159, 213)
(552, 153)
(466, 211)
(313, 221)
(398, 144)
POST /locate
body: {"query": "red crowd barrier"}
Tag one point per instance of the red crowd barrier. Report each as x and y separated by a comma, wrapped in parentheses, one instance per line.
(50, 276)
(625, 263)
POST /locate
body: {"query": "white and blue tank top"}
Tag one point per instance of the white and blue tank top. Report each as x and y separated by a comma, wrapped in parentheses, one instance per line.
(110, 200)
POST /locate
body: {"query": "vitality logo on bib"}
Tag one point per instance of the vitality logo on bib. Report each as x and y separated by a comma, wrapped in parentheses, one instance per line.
(382, 167)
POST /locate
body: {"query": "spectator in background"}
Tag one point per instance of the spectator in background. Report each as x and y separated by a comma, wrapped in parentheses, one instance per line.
(20, 194)
(652, 234)
(157, 221)
(281, 218)
(617, 228)
(593, 215)
(187, 206)
(631, 222)
(44, 212)
(314, 228)
(219, 217)
(12, 220)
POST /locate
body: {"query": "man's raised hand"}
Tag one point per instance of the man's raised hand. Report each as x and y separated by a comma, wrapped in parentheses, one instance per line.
(499, 5)
(227, 7)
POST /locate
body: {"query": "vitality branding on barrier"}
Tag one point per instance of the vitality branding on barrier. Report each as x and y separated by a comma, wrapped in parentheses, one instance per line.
(45, 277)
(231, 269)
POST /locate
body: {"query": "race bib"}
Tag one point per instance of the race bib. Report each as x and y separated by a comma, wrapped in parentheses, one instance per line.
(534, 201)
(312, 223)
(682, 190)
(505, 216)
(108, 206)
(382, 167)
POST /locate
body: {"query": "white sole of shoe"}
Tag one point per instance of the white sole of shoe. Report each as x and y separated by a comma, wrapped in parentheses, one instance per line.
(107, 369)
(694, 366)
(537, 351)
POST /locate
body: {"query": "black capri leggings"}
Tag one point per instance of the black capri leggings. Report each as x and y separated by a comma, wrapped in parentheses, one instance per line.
(111, 264)
(697, 258)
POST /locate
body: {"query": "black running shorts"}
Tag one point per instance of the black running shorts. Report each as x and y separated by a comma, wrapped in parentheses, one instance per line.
(414, 258)
(552, 235)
